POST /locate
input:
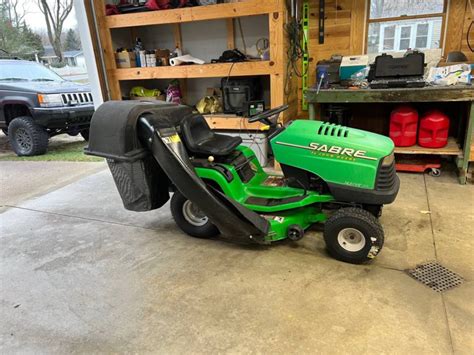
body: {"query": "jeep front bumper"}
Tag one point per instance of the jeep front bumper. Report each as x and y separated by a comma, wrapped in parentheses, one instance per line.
(71, 117)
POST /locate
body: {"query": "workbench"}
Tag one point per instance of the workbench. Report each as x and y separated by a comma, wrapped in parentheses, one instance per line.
(458, 93)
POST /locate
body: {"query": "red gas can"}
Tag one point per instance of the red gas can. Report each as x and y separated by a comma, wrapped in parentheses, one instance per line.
(403, 126)
(434, 128)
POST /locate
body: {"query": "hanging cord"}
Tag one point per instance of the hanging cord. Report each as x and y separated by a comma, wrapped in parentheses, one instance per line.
(242, 35)
(468, 35)
(295, 52)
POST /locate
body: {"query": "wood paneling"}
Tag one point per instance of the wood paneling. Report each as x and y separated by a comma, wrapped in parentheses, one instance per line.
(344, 29)
(468, 18)
(455, 23)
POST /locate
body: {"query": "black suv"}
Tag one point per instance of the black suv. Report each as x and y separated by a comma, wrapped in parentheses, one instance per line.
(36, 103)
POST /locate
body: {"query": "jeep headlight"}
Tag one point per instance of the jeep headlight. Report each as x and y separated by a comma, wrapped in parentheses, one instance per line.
(388, 160)
(50, 100)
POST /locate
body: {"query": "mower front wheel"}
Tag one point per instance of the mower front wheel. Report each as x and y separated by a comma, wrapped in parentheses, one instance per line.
(353, 235)
(190, 219)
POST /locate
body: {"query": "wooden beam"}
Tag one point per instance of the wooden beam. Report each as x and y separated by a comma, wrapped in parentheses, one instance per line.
(277, 52)
(214, 70)
(454, 26)
(230, 33)
(107, 49)
(178, 39)
(358, 24)
(405, 17)
(96, 47)
(196, 13)
(232, 122)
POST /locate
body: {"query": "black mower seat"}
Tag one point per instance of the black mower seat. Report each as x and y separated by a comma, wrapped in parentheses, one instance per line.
(200, 139)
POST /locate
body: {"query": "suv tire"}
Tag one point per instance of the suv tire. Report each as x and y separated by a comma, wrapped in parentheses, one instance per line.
(26, 137)
(85, 134)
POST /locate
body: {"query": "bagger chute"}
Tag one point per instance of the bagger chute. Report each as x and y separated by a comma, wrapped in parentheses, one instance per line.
(147, 158)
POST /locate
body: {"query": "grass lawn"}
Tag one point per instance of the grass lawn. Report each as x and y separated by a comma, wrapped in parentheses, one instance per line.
(57, 151)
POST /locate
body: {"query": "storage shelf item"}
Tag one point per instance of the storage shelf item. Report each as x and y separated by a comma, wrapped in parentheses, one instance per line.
(452, 148)
(274, 68)
(195, 13)
(214, 70)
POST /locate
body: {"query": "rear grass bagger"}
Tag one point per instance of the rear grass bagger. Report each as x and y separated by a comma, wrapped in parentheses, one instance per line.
(332, 174)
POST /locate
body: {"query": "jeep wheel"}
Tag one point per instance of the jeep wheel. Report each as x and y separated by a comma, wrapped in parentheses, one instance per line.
(26, 137)
(85, 134)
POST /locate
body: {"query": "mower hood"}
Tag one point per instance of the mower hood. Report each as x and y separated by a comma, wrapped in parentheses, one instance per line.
(147, 158)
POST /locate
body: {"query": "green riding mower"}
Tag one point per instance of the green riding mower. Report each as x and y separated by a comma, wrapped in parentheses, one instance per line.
(332, 174)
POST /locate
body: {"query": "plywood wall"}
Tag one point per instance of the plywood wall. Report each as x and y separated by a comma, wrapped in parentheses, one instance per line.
(458, 20)
(468, 18)
(344, 33)
(345, 27)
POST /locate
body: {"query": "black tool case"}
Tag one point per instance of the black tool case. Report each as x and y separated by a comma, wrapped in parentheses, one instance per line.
(410, 65)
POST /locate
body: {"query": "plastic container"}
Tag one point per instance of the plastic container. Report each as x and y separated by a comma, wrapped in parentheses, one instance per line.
(403, 126)
(434, 129)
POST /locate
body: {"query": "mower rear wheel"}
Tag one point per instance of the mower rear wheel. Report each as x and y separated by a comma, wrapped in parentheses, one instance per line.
(190, 218)
(353, 235)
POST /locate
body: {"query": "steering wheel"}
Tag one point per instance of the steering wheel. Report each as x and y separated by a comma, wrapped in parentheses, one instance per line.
(264, 116)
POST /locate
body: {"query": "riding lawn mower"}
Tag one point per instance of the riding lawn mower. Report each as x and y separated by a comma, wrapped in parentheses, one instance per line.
(332, 174)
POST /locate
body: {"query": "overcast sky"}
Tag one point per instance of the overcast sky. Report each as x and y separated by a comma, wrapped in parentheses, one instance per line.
(35, 18)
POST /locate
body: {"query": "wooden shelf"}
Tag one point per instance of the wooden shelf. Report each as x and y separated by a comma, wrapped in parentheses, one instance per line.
(452, 148)
(196, 13)
(214, 70)
(233, 122)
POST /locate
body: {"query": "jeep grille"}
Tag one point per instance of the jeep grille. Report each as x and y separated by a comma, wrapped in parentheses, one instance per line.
(80, 98)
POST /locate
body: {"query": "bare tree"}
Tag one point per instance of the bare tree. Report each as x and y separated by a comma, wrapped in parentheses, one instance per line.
(17, 14)
(55, 13)
(14, 11)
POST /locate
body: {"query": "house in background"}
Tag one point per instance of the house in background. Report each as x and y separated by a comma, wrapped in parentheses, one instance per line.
(72, 58)
(49, 57)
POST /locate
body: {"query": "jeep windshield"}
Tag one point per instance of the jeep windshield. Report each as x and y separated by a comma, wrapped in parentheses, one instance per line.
(31, 71)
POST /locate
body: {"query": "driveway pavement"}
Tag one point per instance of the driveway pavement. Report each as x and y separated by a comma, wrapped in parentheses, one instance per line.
(80, 274)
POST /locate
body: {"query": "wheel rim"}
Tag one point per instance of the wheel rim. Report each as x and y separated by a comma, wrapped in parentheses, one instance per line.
(351, 239)
(193, 214)
(23, 139)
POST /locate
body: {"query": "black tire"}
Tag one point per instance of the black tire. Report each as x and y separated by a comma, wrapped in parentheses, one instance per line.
(182, 212)
(85, 134)
(26, 137)
(375, 210)
(353, 235)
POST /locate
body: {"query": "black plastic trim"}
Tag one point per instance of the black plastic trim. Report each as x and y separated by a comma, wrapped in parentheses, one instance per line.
(344, 193)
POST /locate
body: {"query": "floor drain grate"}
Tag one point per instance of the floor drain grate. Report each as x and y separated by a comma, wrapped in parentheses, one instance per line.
(435, 276)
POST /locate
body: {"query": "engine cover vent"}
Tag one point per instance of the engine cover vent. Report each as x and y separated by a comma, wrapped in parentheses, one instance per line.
(333, 130)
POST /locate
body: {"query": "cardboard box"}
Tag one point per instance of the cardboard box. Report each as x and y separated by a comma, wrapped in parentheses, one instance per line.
(351, 65)
(442, 63)
(125, 60)
(163, 56)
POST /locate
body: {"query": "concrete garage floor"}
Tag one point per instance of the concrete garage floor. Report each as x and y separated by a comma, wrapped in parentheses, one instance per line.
(80, 274)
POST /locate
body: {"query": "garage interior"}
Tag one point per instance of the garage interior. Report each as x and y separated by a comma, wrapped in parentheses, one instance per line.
(81, 274)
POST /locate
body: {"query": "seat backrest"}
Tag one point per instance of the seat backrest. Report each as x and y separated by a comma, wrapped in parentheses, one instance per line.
(195, 131)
